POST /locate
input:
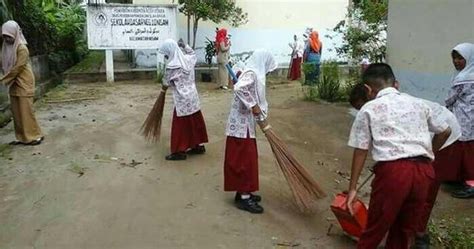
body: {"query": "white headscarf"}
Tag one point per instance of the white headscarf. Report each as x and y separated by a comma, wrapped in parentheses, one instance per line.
(465, 76)
(9, 51)
(261, 62)
(176, 58)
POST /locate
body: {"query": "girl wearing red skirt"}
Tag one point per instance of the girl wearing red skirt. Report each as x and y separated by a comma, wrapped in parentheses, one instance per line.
(188, 130)
(458, 162)
(249, 105)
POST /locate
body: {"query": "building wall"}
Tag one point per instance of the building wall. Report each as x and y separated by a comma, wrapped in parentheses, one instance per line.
(421, 35)
(272, 24)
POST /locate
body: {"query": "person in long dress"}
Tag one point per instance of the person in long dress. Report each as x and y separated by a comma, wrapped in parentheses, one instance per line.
(223, 50)
(188, 130)
(241, 157)
(297, 48)
(19, 77)
(312, 56)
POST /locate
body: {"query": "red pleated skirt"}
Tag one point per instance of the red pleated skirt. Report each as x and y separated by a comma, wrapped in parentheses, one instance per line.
(187, 132)
(295, 70)
(455, 162)
(241, 165)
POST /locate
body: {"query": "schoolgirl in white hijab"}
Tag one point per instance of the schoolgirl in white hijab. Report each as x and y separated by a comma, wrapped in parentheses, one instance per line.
(461, 103)
(188, 131)
(248, 105)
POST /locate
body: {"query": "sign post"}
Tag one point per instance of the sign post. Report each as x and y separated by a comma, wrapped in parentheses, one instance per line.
(125, 26)
(109, 65)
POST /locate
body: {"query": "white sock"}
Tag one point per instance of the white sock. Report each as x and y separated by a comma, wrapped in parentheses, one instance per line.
(245, 196)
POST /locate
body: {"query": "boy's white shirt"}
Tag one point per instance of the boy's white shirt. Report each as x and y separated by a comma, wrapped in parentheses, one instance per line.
(446, 115)
(395, 126)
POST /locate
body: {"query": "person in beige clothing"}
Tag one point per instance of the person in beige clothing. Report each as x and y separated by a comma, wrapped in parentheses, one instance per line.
(222, 49)
(19, 77)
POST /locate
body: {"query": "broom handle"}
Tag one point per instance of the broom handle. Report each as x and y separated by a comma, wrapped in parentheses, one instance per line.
(264, 126)
(365, 181)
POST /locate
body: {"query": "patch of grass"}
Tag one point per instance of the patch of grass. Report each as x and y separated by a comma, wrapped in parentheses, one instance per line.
(91, 63)
(59, 92)
(77, 169)
(67, 93)
(310, 93)
(5, 150)
(3, 97)
(455, 233)
(4, 118)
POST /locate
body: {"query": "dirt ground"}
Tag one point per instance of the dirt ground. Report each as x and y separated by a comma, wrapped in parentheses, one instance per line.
(95, 183)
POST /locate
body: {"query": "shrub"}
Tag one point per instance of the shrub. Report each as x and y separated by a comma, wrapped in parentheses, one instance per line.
(51, 27)
(353, 78)
(210, 50)
(308, 69)
(330, 84)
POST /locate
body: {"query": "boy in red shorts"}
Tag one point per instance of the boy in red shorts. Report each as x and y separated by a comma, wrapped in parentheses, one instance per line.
(397, 129)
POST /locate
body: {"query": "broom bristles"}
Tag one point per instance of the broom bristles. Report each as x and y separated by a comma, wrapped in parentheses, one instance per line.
(304, 188)
(151, 128)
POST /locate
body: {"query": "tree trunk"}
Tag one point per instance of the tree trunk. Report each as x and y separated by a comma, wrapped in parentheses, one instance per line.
(195, 28)
(189, 29)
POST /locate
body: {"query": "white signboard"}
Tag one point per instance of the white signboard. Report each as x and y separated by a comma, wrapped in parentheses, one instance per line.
(125, 26)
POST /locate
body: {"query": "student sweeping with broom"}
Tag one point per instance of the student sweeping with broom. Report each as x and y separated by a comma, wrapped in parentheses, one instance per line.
(188, 130)
(248, 105)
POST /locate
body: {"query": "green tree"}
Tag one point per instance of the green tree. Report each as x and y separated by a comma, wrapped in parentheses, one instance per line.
(216, 11)
(5, 13)
(364, 32)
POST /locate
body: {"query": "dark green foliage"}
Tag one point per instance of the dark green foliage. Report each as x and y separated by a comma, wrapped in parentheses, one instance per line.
(365, 36)
(54, 27)
(216, 11)
(330, 84)
(210, 50)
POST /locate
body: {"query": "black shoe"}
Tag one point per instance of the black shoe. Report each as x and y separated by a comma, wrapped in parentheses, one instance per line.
(466, 193)
(176, 156)
(422, 242)
(36, 142)
(249, 205)
(255, 198)
(197, 151)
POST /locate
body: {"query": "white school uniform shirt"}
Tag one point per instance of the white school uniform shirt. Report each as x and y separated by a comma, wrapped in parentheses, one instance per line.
(248, 92)
(183, 85)
(241, 118)
(461, 95)
(298, 49)
(395, 126)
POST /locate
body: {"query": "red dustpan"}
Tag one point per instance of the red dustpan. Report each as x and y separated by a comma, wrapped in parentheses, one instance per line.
(353, 225)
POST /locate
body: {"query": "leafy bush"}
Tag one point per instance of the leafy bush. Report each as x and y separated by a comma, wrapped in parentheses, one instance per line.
(37, 30)
(329, 87)
(330, 84)
(308, 69)
(353, 78)
(54, 27)
(210, 50)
